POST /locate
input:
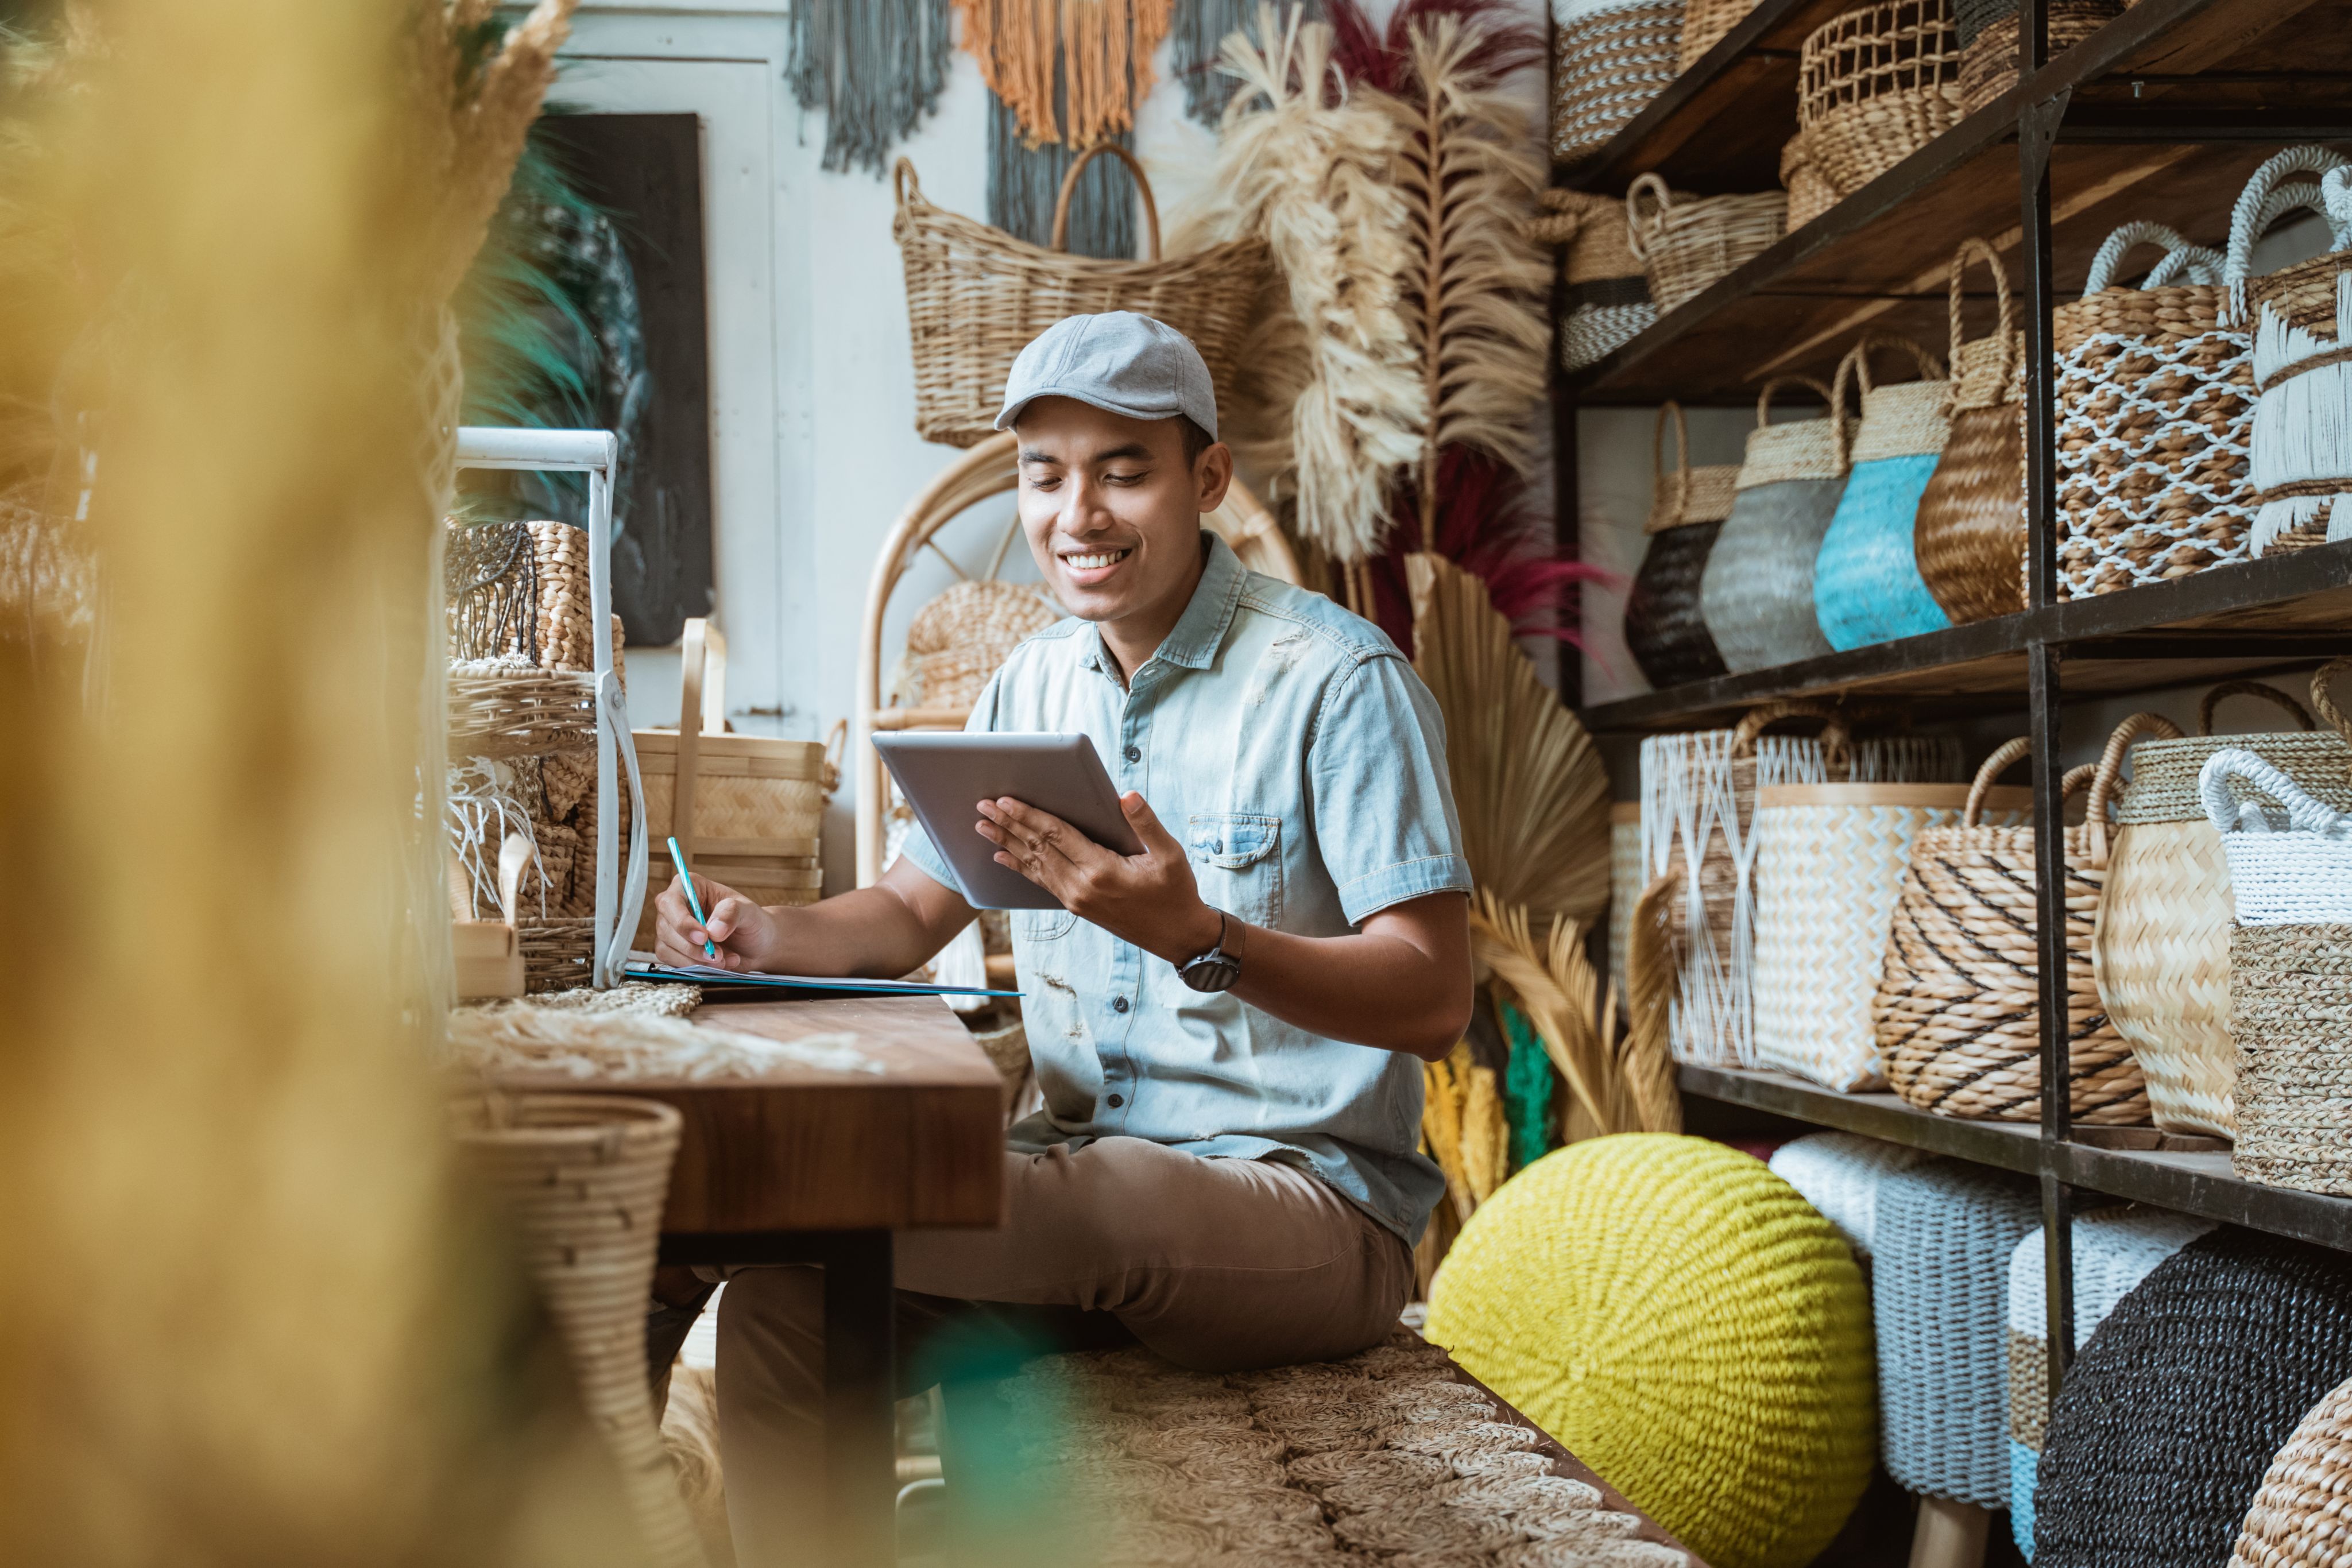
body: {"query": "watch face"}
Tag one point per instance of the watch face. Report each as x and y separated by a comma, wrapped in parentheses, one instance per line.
(1211, 972)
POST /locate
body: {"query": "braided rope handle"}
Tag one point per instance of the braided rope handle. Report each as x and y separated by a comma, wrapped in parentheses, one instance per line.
(1837, 742)
(1837, 409)
(1975, 249)
(2266, 779)
(2110, 772)
(2324, 700)
(2214, 698)
(2005, 756)
(1635, 221)
(2188, 264)
(1857, 362)
(2200, 263)
(2255, 213)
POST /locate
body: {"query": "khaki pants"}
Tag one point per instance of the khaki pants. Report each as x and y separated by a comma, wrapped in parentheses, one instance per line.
(1217, 1264)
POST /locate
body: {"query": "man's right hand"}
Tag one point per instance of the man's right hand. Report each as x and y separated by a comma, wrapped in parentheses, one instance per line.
(744, 933)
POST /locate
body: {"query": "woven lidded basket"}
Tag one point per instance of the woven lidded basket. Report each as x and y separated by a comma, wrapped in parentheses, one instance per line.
(1866, 583)
(2155, 402)
(583, 1177)
(1610, 58)
(976, 296)
(1758, 593)
(1875, 86)
(1957, 1012)
(2161, 945)
(1666, 628)
(1969, 533)
(1605, 300)
(1688, 242)
(1988, 37)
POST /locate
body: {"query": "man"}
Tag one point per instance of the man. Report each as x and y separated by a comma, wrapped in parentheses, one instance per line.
(1227, 1028)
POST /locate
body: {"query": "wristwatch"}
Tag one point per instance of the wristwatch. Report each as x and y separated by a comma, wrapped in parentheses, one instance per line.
(1217, 970)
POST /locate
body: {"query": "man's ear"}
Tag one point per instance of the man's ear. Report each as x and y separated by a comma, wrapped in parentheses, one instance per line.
(1213, 474)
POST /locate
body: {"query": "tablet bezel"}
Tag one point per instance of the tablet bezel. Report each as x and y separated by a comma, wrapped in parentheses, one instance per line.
(945, 775)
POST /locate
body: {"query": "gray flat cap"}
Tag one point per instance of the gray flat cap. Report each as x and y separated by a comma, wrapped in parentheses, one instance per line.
(1118, 360)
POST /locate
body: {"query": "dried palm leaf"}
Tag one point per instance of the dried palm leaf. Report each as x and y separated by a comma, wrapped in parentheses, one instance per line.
(1527, 781)
(1650, 991)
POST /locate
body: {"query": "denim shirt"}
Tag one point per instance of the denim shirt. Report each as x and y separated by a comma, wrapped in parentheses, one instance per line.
(1297, 757)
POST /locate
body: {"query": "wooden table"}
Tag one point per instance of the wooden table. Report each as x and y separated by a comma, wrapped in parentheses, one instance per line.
(802, 1165)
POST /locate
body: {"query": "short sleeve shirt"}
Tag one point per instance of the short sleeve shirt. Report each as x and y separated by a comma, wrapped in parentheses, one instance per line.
(1301, 760)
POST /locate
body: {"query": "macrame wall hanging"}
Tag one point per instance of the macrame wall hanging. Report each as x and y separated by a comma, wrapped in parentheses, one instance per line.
(873, 68)
(1195, 40)
(1066, 74)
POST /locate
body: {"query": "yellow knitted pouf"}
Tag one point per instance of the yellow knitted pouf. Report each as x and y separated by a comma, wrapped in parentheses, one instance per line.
(1687, 1324)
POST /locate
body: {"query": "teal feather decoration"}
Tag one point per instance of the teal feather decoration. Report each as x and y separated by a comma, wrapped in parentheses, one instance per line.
(1527, 1090)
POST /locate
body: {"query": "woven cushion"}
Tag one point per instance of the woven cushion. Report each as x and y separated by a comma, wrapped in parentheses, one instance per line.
(1939, 1287)
(2174, 1408)
(1839, 1173)
(2297, 1519)
(1687, 1325)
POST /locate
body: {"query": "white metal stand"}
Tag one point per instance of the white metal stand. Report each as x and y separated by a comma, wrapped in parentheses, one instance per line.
(590, 452)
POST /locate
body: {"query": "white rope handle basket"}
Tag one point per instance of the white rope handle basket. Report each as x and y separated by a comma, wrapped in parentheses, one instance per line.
(2289, 864)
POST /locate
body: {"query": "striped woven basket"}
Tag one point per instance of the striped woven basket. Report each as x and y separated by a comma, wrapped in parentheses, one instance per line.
(2297, 1520)
(1606, 300)
(1958, 1015)
(1610, 58)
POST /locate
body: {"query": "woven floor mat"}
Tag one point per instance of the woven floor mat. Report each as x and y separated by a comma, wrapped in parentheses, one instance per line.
(1396, 1458)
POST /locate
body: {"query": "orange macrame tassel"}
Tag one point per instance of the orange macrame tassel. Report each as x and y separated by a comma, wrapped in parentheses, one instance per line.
(1105, 48)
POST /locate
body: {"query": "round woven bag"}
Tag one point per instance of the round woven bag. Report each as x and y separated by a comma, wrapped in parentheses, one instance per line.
(1685, 1324)
(1666, 626)
(2172, 1411)
(2297, 1520)
(1866, 583)
(1757, 590)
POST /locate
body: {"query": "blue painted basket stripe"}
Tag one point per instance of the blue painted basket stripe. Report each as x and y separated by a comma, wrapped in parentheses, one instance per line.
(2024, 1464)
(1866, 582)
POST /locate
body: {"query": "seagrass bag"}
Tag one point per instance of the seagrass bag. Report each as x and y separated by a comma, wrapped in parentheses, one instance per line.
(1757, 590)
(1866, 583)
(1875, 86)
(976, 296)
(2161, 945)
(1958, 1015)
(1665, 627)
(1687, 242)
(1969, 533)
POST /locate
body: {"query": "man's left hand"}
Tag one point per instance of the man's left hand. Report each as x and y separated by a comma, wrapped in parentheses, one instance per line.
(1149, 899)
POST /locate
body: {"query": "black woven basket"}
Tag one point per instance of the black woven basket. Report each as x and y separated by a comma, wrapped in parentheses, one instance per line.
(2173, 1411)
(1664, 630)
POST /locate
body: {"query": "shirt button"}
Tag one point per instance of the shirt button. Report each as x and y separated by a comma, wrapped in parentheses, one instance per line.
(1117, 1101)
(1119, 1004)
(1135, 754)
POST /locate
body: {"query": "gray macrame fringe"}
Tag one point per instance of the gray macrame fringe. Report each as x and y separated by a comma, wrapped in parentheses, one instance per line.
(1022, 183)
(875, 68)
(1196, 36)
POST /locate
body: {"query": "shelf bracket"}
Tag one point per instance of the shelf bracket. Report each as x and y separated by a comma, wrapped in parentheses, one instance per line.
(2037, 132)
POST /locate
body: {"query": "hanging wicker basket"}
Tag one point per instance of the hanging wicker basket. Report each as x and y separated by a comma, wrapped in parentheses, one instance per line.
(1969, 534)
(1876, 85)
(976, 296)
(1688, 242)
(1610, 58)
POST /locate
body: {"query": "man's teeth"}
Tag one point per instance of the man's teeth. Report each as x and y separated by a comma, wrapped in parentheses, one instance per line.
(1093, 563)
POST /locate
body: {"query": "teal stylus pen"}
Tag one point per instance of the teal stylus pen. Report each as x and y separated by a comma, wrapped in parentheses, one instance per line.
(678, 858)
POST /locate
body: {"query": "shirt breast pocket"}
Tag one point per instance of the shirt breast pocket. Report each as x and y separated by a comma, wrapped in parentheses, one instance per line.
(1043, 924)
(1237, 862)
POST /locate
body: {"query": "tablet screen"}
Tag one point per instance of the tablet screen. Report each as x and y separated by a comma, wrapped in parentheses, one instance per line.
(946, 776)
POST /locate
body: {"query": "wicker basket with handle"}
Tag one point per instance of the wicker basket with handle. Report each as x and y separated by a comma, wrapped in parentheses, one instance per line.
(1688, 242)
(1875, 86)
(2161, 945)
(1957, 1016)
(1606, 300)
(1969, 534)
(976, 296)
(1665, 629)
(1866, 584)
(1758, 593)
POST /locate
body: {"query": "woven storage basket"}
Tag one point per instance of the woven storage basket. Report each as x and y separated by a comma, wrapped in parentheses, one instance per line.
(1830, 862)
(1969, 532)
(1875, 86)
(1940, 1278)
(2113, 1251)
(2155, 402)
(2172, 1411)
(1610, 58)
(1666, 628)
(2290, 1016)
(583, 1178)
(1688, 242)
(1685, 1324)
(1758, 591)
(2162, 947)
(1840, 1174)
(1625, 881)
(2290, 856)
(1866, 584)
(2299, 451)
(1810, 191)
(1988, 38)
(1605, 299)
(2297, 1520)
(976, 296)
(1705, 22)
(1957, 1013)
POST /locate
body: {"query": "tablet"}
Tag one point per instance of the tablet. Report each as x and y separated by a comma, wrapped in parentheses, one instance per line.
(945, 777)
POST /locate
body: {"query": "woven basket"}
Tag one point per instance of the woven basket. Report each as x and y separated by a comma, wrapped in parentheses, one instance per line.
(1988, 38)
(2297, 1520)
(1606, 297)
(1957, 1012)
(1830, 864)
(1969, 533)
(2172, 1412)
(1705, 22)
(976, 296)
(1758, 593)
(2290, 856)
(2115, 1249)
(1866, 584)
(583, 1177)
(1666, 630)
(1625, 881)
(2290, 1015)
(1688, 242)
(1840, 1174)
(1610, 58)
(1876, 85)
(2301, 449)
(2162, 947)
(2155, 404)
(1810, 191)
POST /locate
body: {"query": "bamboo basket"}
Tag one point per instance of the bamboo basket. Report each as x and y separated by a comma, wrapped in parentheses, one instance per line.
(1705, 22)
(1666, 628)
(583, 1178)
(1810, 191)
(1875, 86)
(1610, 58)
(2161, 944)
(1605, 301)
(751, 807)
(1969, 534)
(976, 296)
(1958, 1015)
(1688, 242)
